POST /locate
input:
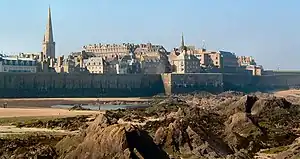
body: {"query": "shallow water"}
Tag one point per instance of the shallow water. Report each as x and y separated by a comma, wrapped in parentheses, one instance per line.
(102, 107)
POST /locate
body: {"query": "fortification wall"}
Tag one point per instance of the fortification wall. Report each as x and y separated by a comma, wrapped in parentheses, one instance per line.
(240, 82)
(167, 82)
(185, 83)
(78, 85)
(88, 85)
(260, 83)
(279, 81)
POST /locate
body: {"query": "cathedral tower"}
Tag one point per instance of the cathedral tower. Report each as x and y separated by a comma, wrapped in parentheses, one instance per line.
(48, 43)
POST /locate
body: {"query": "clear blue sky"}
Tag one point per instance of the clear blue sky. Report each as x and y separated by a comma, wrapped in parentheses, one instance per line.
(269, 30)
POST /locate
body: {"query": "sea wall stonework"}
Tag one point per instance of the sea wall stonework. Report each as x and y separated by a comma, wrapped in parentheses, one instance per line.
(281, 81)
(17, 85)
(185, 83)
(78, 85)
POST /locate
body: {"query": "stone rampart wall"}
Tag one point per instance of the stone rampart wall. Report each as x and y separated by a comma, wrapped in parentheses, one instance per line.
(279, 81)
(88, 85)
(185, 83)
(78, 85)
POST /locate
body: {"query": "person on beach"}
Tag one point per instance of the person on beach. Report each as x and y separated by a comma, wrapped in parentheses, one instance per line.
(5, 105)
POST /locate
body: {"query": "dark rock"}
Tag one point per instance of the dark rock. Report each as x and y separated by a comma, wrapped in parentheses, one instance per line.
(106, 140)
(33, 146)
(68, 123)
(78, 107)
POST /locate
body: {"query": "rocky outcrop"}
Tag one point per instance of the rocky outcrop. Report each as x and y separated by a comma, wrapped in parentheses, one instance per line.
(29, 146)
(231, 126)
(67, 123)
(291, 151)
(78, 107)
(236, 130)
(104, 139)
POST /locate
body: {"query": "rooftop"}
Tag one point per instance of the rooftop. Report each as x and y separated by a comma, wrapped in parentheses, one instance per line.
(15, 58)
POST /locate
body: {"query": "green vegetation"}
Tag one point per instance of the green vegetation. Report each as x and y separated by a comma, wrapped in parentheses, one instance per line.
(14, 120)
(30, 135)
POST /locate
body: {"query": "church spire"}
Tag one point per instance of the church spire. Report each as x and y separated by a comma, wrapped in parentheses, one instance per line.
(48, 42)
(183, 47)
(49, 32)
(182, 41)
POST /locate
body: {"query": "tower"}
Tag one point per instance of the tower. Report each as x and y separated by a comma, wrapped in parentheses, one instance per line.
(203, 48)
(182, 41)
(183, 47)
(48, 42)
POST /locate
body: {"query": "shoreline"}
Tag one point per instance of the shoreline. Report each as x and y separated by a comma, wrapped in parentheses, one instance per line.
(133, 99)
(42, 112)
(48, 102)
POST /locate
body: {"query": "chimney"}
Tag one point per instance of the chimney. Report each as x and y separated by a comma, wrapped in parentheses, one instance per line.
(81, 62)
(41, 56)
(60, 60)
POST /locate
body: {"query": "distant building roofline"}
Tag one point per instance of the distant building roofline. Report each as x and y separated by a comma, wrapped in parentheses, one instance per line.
(17, 58)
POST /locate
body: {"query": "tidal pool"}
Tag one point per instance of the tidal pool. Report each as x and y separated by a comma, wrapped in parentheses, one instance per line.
(102, 107)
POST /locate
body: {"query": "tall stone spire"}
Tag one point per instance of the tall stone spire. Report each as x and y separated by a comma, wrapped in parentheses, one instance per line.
(48, 43)
(182, 47)
(182, 41)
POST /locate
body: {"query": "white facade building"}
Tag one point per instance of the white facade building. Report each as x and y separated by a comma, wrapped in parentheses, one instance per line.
(13, 64)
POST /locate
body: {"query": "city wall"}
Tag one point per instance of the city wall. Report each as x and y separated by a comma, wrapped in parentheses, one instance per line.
(218, 82)
(17, 85)
(78, 85)
(186, 83)
(279, 81)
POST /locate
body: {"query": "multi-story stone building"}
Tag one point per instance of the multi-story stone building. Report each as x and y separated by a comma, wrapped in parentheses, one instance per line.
(97, 65)
(228, 59)
(152, 65)
(218, 59)
(67, 65)
(117, 65)
(246, 60)
(11, 64)
(185, 63)
(34, 55)
(183, 60)
(83, 54)
(113, 50)
(128, 64)
(155, 62)
(255, 69)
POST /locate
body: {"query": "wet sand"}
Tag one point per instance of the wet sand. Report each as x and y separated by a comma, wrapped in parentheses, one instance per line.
(41, 112)
(285, 93)
(48, 102)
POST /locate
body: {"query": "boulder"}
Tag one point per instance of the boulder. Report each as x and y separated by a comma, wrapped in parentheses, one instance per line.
(104, 139)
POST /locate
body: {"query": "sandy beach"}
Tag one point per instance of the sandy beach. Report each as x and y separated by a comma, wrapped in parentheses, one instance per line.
(48, 102)
(41, 112)
(285, 93)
